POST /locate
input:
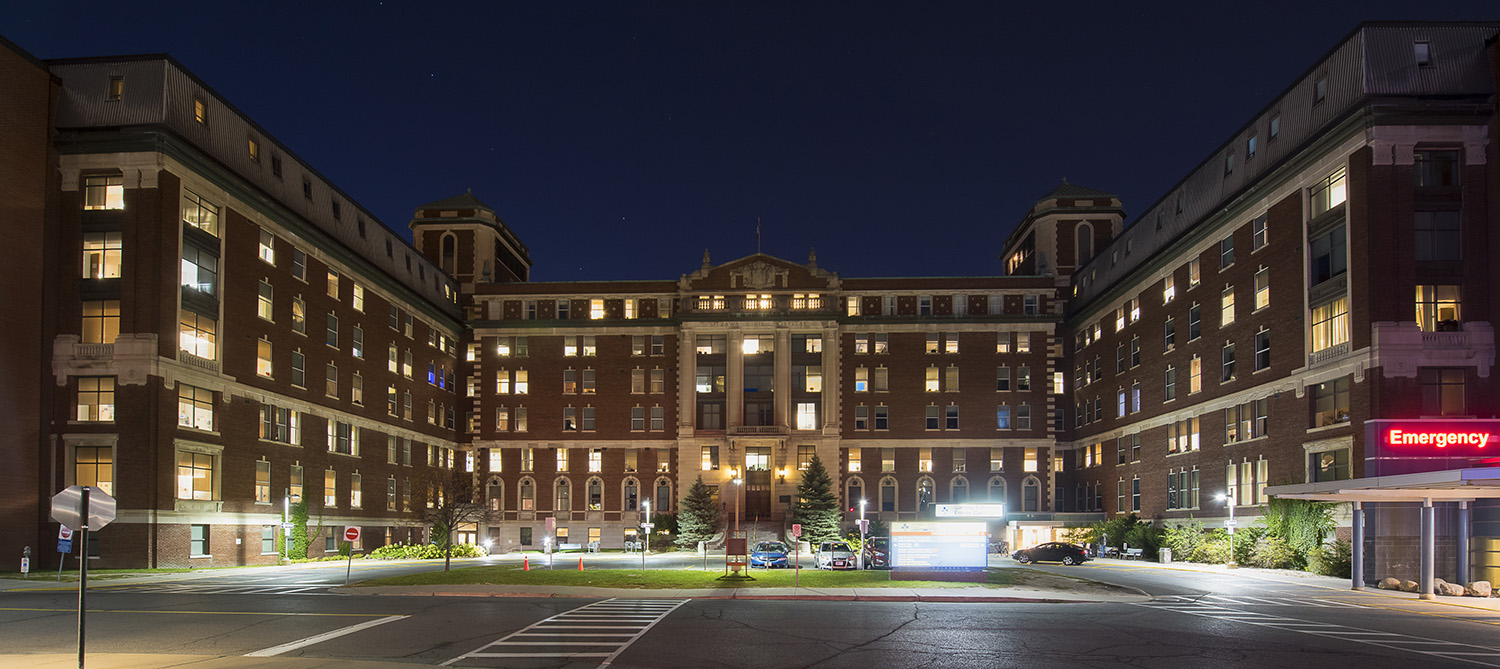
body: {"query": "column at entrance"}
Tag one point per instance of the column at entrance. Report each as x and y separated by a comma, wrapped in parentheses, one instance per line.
(734, 376)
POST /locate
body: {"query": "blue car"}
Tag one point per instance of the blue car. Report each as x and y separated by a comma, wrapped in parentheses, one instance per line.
(768, 554)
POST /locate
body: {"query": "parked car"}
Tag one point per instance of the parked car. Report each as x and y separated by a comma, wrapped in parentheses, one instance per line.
(877, 553)
(768, 554)
(1056, 551)
(833, 555)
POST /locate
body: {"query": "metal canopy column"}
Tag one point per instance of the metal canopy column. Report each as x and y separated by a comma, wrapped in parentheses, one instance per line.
(1463, 543)
(1357, 552)
(1428, 541)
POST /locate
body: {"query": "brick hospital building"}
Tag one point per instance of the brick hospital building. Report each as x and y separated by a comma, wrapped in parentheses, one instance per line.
(211, 329)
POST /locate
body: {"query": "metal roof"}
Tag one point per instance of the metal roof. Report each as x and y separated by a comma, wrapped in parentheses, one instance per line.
(1066, 189)
(1449, 485)
(464, 201)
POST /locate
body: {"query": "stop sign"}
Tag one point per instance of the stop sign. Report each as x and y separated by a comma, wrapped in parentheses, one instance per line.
(351, 534)
(67, 508)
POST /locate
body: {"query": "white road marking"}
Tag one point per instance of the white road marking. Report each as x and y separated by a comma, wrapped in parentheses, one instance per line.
(637, 616)
(1390, 640)
(277, 650)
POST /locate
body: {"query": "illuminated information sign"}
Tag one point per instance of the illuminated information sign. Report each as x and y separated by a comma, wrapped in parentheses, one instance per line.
(1448, 437)
(970, 511)
(940, 545)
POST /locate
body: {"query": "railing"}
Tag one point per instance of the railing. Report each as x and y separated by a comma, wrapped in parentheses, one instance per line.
(1445, 340)
(94, 351)
(758, 429)
(202, 363)
(1331, 353)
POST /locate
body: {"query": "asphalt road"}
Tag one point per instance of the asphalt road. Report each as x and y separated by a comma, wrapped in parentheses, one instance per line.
(1195, 620)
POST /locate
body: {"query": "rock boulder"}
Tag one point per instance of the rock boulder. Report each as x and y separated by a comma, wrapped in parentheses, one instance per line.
(1479, 589)
(1389, 583)
(1409, 586)
(1450, 590)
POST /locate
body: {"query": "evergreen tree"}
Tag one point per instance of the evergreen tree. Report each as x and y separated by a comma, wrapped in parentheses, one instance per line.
(698, 519)
(817, 506)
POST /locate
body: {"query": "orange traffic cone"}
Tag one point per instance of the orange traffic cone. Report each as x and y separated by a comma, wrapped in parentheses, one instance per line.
(525, 563)
(580, 563)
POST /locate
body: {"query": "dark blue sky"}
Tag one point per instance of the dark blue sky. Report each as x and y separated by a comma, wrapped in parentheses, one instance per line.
(620, 140)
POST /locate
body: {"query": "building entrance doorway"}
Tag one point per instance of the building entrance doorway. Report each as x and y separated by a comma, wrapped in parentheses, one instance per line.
(757, 482)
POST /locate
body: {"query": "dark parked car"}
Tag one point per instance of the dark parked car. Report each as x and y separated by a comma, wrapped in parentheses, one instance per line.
(768, 554)
(1056, 551)
(877, 553)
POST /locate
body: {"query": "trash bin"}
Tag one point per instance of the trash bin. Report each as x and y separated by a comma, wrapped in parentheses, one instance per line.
(1164, 555)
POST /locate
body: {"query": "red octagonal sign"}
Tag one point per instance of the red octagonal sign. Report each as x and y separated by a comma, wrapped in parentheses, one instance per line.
(351, 534)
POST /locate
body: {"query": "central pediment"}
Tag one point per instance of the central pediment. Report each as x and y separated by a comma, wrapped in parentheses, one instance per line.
(760, 273)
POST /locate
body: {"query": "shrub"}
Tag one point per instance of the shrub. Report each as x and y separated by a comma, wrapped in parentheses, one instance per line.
(1336, 560)
(1184, 539)
(423, 552)
(1271, 552)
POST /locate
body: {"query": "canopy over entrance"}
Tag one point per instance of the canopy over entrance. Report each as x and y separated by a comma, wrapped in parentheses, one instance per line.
(1450, 485)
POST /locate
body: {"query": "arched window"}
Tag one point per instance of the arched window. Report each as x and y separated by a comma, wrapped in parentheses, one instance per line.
(925, 493)
(997, 490)
(888, 494)
(494, 491)
(1031, 494)
(1085, 234)
(528, 494)
(561, 499)
(854, 492)
(450, 254)
(663, 495)
(596, 494)
(632, 495)
(958, 490)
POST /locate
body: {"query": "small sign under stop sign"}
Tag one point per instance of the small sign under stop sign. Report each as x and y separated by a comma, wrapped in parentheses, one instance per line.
(351, 534)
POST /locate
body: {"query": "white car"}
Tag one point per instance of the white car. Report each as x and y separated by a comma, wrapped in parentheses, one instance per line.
(834, 555)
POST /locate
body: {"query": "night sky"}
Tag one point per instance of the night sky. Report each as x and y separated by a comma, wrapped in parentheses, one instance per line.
(619, 140)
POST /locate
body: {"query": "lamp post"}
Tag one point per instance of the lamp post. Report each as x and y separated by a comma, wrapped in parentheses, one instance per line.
(735, 474)
(646, 526)
(863, 538)
(1229, 503)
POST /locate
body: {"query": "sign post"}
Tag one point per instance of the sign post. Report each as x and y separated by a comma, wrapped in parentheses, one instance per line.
(646, 547)
(351, 535)
(81, 508)
(797, 554)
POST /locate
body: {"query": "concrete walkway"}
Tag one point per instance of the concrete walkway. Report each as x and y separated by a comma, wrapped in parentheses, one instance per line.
(974, 594)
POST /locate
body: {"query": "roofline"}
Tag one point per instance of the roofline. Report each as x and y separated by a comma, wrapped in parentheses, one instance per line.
(250, 120)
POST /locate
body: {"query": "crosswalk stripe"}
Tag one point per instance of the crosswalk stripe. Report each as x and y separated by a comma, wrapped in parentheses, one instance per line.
(635, 618)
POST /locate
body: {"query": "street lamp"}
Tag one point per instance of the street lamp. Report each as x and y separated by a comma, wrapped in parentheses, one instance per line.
(1229, 503)
(735, 473)
(863, 538)
(646, 510)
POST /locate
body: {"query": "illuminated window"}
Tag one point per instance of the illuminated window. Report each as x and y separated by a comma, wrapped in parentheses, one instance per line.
(101, 255)
(1330, 324)
(101, 321)
(1195, 375)
(200, 112)
(1226, 310)
(199, 269)
(200, 213)
(1328, 193)
(596, 309)
(196, 334)
(1168, 289)
(267, 246)
(263, 357)
(932, 382)
(195, 476)
(96, 399)
(103, 192)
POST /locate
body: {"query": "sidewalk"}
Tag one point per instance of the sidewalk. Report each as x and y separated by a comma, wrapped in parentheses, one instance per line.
(974, 594)
(155, 661)
(1330, 583)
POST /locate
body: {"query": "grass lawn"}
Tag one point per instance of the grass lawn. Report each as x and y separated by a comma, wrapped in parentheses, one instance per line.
(681, 578)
